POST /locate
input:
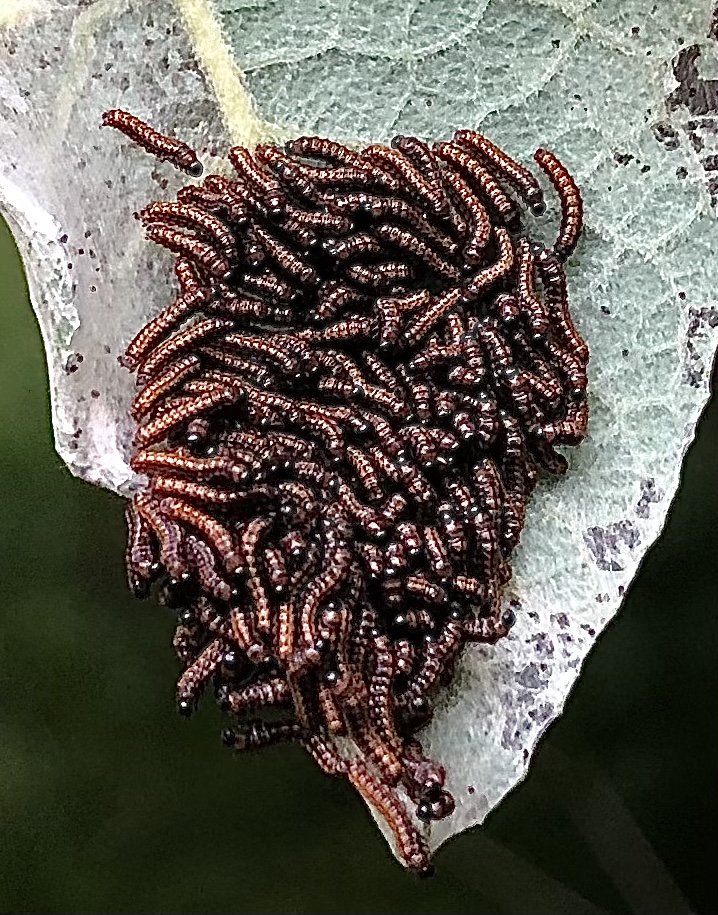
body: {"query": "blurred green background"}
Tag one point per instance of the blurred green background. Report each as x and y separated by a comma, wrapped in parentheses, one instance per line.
(110, 802)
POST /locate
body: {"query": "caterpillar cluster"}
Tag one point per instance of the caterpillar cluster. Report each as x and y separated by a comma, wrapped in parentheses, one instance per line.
(341, 419)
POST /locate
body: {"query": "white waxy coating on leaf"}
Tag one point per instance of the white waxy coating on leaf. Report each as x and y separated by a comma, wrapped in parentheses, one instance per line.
(589, 82)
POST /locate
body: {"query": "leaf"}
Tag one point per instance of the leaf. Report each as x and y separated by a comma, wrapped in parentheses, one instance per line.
(619, 91)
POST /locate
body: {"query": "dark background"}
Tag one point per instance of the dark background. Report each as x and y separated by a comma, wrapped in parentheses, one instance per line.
(110, 802)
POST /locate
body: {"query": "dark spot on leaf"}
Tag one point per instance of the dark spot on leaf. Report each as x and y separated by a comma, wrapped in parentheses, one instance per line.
(608, 544)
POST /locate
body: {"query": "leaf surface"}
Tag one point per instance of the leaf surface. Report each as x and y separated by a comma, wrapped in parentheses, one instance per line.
(621, 90)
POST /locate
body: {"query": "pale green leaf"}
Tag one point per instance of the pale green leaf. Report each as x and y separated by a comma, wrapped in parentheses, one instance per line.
(593, 81)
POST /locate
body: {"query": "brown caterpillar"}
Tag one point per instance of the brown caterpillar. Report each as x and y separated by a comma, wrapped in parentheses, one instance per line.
(156, 144)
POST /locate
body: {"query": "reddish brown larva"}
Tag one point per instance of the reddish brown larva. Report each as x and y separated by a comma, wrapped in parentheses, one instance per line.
(358, 245)
(439, 307)
(174, 151)
(536, 312)
(141, 558)
(194, 249)
(321, 148)
(193, 217)
(518, 176)
(297, 268)
(269, 189)
(483, 182)
(198, 672)
(571, 202)
(416, 248)
(168, 534)
(417, 185)
(490, 275)
(162, 384)
(425, 161)
(158, 428)
(178, 343)
(480, 220)
(218, 537)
